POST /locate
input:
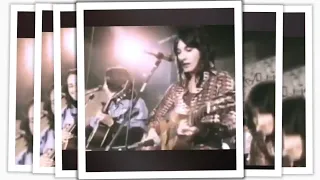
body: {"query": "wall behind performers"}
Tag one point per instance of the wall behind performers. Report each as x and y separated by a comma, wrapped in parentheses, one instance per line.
(257, 67)
(294, 66)
(259, 58)
(158, 83)
(24, 83)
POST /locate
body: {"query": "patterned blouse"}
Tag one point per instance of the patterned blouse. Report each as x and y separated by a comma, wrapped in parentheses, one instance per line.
(214, 84)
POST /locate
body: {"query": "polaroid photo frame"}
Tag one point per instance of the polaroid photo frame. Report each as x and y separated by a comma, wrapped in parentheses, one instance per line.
(276, 171)
(40, 8)
(308, 36)
(58, 9)
(81, 7)
(16, 32)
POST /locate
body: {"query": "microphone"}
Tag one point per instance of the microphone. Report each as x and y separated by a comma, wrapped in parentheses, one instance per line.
(161, 56)
(90, 99)
(133, 146)
(167, 39)
(93, 90)
(149, 142)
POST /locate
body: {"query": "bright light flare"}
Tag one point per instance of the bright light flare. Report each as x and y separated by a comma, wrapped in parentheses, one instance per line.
(68, 41)
(129, 49)
(26, 53)
(47, 48)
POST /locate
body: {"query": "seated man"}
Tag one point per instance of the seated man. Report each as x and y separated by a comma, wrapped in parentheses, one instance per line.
(115, 111)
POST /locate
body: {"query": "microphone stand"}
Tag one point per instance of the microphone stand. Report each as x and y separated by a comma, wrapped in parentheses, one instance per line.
(129, 117)
(133, 104)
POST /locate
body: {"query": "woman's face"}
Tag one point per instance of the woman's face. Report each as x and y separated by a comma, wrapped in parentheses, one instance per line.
(72, 86)
(30, 117)
(264, 123)
(188, 57)
(52, 101)
(292, 146)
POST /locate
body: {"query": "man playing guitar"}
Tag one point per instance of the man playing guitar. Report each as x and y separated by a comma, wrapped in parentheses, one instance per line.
(119, 88)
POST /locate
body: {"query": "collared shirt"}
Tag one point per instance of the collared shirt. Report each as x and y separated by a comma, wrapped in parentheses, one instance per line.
(69, 116)
(24, 158)
(117, 112)
(47, 140)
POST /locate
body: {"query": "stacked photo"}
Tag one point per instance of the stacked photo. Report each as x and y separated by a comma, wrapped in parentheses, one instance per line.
(172, 89)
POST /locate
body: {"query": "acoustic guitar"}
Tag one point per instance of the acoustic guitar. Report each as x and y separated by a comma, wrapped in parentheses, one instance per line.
(219, 105)
(103, 133)
(72, 142)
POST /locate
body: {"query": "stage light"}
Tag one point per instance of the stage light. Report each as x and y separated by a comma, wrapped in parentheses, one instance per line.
(68, 41)
(28, 54)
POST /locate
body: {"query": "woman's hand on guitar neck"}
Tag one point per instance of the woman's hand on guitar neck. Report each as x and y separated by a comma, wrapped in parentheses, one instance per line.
(185, 130)
(45, 160)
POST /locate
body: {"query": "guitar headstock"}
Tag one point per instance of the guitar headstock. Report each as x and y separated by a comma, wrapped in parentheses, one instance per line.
(122, 93)
(218, 105)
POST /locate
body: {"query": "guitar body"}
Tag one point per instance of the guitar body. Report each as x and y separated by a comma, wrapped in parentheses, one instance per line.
(101, 136)
(168, 133)
(210, 133)
(71, 144)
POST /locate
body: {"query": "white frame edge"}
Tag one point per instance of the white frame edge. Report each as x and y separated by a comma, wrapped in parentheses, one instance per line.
(308, 10)
(277, 172)
(39, 7)
(57, 9)
(237, 5)
(12, 166)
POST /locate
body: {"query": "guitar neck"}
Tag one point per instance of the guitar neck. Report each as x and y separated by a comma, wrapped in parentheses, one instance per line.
(203, 111)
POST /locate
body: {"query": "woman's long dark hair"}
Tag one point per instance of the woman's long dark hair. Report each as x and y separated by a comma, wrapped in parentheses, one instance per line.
(294, 121)
(70, 101)
(26, 128)
(261, 99)
(47, 107)
(195, 37)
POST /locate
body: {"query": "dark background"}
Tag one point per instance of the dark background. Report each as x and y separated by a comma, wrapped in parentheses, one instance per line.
(259, 51)
(25, 56)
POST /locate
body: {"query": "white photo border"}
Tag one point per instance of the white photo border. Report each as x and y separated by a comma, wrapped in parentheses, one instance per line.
(307, 9)
(237, 5)
(14, 9)
(277, 171)
(57, 9)
(40, 7)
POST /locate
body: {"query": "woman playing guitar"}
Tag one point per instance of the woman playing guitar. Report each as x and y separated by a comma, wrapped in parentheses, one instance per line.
(119, 88)
(47, 144)
(260, 112)
(198, 84)
(70, 112)
(294, 131)
(25, 157)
